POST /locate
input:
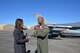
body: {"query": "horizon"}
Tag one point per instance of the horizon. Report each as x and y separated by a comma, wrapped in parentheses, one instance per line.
(36, 24)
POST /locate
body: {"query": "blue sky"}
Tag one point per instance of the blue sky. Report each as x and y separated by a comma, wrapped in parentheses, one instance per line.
(54, 11)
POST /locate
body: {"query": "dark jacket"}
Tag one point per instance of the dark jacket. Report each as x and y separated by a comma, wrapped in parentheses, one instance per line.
(19, 41)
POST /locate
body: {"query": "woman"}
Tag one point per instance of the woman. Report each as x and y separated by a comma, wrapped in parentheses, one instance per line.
(19, 38)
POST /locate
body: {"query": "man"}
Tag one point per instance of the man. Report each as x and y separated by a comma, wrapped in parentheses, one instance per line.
(41, 32)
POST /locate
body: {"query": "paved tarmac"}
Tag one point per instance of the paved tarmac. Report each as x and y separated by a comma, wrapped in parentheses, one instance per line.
(66, 45)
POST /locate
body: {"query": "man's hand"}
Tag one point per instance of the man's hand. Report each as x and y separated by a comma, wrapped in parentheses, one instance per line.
(35, 27)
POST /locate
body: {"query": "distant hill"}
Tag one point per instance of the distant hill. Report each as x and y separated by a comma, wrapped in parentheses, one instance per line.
(9, 27)
(1, 26)
(6, 27)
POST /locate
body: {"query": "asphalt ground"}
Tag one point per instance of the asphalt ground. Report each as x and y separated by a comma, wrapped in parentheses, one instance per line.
(64, 45)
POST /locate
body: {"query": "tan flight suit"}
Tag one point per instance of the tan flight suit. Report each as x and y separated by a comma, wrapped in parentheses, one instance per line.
(42, 39)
